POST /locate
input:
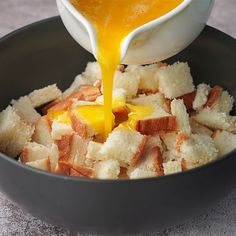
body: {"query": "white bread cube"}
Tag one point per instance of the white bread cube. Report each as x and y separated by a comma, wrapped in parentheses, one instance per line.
(78, 150)
(42, 96)
(175, 80)
(9, 121)
(25, 109)
(138, 173)
(169, 140)
(93, 153)
(197, 128)
(198, 148)
(201, 96)
(170, 156)
(147, 161)
(215, 119)
(60, 129)
(42, 164)
(129, 81)
(74, 87)
(33, 152)
(172, 167)
(178, 110)
(93, 72)
(22, 134)
(14, 133)
(82, 127)
(156, 99)
(224, 103)
(148, 80)
(108, 169)
(153, 141)
(42, 133)
(225, 142)
(53, 156)
(124, 145)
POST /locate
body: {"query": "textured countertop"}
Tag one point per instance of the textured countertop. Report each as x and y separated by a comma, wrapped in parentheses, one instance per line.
(218, 221)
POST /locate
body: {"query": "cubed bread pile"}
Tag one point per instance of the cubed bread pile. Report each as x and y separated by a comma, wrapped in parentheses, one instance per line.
(181, 127)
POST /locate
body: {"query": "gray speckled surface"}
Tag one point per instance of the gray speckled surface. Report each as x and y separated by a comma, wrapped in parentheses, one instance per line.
(218, 221)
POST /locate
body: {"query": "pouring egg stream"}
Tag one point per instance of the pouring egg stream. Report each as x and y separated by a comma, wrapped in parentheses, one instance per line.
(113, 20)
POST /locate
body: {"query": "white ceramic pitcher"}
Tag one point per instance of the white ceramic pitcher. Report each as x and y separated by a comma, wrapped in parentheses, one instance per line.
(152, 42)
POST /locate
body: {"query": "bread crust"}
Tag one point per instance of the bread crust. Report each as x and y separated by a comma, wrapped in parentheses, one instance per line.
(158, 160)
(214, 95)
(157, 125)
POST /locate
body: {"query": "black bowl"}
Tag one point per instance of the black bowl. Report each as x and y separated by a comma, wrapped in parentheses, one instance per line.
(44, 53)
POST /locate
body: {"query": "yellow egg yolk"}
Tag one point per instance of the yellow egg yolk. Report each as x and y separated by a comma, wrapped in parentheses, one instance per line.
(94, 115)
(60, 115)
(137, 113)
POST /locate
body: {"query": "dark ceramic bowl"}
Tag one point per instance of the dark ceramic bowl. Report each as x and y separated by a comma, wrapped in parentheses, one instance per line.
(44, 53)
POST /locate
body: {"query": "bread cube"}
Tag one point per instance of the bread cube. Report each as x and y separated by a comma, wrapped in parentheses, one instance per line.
(214, 119)
(131, 145)
(148, 80)
(93, 152)
(198, 148)
(138, 173)
(42, 164)
(33, 152)
(154, 126)
(60, 129)
(40, 156)
(74, 87)
(81, 171)
(156, 100)
(197, 128)
(47, 94)
(169, 140)
(64, 147)
(53, 156)
(175, 80)
(150, 157)
(224, 103)
(108, 169)
(225, 142)
(93, 72)
(81, 126)
(170, 156)
(201, 96)
(42, 133)
(178, 110)
(78, 150)
(129, 81)
(172, 167)
(14, 133)
(25, 109)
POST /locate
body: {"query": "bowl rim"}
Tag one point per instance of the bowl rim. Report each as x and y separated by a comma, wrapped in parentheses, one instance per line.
(126, 41)
(101, 181)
